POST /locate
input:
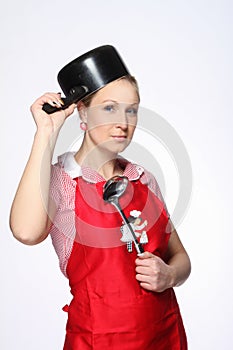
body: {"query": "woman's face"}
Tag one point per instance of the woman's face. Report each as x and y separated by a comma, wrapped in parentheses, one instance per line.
(112, 116)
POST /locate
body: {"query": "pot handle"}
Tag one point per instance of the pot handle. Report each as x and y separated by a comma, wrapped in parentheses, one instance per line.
(76, 94)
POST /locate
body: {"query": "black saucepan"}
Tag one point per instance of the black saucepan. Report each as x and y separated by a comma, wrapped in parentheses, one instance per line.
(87, 74)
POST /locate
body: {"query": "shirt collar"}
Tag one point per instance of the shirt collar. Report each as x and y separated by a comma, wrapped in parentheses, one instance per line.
(73, 169)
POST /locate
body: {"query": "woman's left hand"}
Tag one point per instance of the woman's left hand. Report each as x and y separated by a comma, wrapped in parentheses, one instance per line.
(153, 273)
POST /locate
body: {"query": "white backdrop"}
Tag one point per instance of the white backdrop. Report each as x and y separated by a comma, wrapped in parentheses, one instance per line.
(181, 53)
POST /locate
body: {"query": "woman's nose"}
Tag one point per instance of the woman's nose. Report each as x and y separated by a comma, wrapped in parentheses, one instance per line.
(122, 120)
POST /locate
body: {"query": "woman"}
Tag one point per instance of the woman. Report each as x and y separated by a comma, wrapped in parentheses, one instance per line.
(120, 300)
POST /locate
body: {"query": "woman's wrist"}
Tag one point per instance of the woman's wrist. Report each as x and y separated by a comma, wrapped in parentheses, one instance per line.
(173, 276)
(45, 138)
(180, 268)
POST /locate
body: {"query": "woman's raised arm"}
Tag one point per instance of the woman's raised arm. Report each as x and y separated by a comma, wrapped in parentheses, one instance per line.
(31, 211)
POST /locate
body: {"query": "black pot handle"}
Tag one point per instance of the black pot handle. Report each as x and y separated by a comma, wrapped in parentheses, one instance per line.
(76, 94)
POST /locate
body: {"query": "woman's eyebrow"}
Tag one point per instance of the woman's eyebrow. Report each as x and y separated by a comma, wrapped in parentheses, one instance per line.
(117, 102)
(109, 101)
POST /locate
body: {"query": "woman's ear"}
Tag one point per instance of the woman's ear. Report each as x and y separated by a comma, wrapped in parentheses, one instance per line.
(82, 109)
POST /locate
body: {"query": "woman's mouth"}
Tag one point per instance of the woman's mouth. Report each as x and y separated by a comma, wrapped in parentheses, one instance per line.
(119, 138)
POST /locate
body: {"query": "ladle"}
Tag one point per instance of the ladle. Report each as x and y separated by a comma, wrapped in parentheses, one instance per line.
(112, 190)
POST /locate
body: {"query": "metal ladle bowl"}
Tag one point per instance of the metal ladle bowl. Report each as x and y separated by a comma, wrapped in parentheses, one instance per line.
(114, 188)
(112, 191)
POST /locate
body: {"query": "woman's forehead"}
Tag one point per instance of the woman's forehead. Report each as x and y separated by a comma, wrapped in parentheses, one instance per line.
(120, 91)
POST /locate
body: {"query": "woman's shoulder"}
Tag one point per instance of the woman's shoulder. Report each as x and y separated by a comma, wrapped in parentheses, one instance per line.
(62, 185)
(63, 172)
(138, 171)
(135, 171)
(66, 165)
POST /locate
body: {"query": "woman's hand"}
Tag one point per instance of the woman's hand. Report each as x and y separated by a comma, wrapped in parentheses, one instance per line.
(153, 273)
(156, 275)
(50, 122)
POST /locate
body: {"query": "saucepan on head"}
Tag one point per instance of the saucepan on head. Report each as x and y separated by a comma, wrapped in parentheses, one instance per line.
(89, 73)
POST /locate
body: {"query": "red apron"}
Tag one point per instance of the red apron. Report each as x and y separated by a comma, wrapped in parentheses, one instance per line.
(109, 309)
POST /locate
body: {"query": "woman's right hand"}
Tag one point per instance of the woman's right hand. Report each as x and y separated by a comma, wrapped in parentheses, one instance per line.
(50, 123)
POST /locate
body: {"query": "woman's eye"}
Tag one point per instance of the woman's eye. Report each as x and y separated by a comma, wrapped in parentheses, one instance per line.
(132, 111)
(109, 108)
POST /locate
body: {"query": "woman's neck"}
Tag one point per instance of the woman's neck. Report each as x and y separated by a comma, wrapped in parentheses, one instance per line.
(105, 163)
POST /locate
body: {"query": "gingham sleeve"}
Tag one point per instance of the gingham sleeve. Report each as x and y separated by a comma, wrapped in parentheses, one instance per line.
(149, 180)
(62, 232)
(55, 194)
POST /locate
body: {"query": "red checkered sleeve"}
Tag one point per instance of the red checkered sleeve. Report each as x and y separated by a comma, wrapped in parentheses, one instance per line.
(62, 192)
(149, 179)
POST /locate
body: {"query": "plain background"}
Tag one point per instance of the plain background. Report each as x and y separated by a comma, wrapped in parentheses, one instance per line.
(181, 53)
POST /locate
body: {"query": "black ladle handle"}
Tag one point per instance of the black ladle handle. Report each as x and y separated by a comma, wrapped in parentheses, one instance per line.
(76, 94)
(138, 246)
